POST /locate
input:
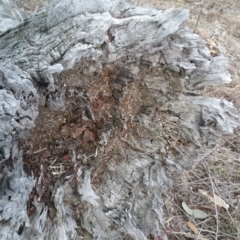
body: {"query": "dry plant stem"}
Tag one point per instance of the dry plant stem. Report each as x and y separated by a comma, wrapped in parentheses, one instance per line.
(192, 171)
(208, 231)
(199, 15)
(199, 232)
(200, 180)
(175, 235)
(215, 205)
(208, 153)
(179, 208)
(40, 150)
(232, 220)
(182, 234)
(203, 230)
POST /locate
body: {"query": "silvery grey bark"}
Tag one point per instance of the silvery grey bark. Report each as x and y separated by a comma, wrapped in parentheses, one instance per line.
(10, 15)
(153, 66)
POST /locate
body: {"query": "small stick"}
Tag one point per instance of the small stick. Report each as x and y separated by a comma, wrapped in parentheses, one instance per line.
(199, 15)
(38, 151)
(213, 192)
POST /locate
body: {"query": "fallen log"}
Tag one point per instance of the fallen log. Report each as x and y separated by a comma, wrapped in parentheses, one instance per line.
(100, 104)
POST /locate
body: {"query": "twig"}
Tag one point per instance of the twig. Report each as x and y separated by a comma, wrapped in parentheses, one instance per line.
(200, 231)
(198, 181)
(40, 150)
(199, 15)
(215, 205)
(205, 155)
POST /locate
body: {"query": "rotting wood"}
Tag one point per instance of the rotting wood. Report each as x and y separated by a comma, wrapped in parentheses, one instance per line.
(111, 90)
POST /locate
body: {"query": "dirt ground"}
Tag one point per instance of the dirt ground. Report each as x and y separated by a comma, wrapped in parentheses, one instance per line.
(216, 171)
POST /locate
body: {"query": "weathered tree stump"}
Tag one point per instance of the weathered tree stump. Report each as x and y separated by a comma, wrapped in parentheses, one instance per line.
(99, 106)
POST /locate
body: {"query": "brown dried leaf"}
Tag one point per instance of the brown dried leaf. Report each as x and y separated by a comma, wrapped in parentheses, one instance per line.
(204, 207)
(212, 43)
(193, 227)
(216, 199)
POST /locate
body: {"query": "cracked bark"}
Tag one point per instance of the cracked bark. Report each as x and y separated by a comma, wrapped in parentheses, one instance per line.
(129, 76)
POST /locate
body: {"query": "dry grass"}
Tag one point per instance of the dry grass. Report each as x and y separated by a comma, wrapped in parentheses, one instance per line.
(217, 171)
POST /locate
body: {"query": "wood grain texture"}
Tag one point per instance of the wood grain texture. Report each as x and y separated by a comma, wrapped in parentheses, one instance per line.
(135, 73)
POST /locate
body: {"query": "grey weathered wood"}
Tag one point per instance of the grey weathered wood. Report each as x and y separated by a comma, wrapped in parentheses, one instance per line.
(165, 61)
